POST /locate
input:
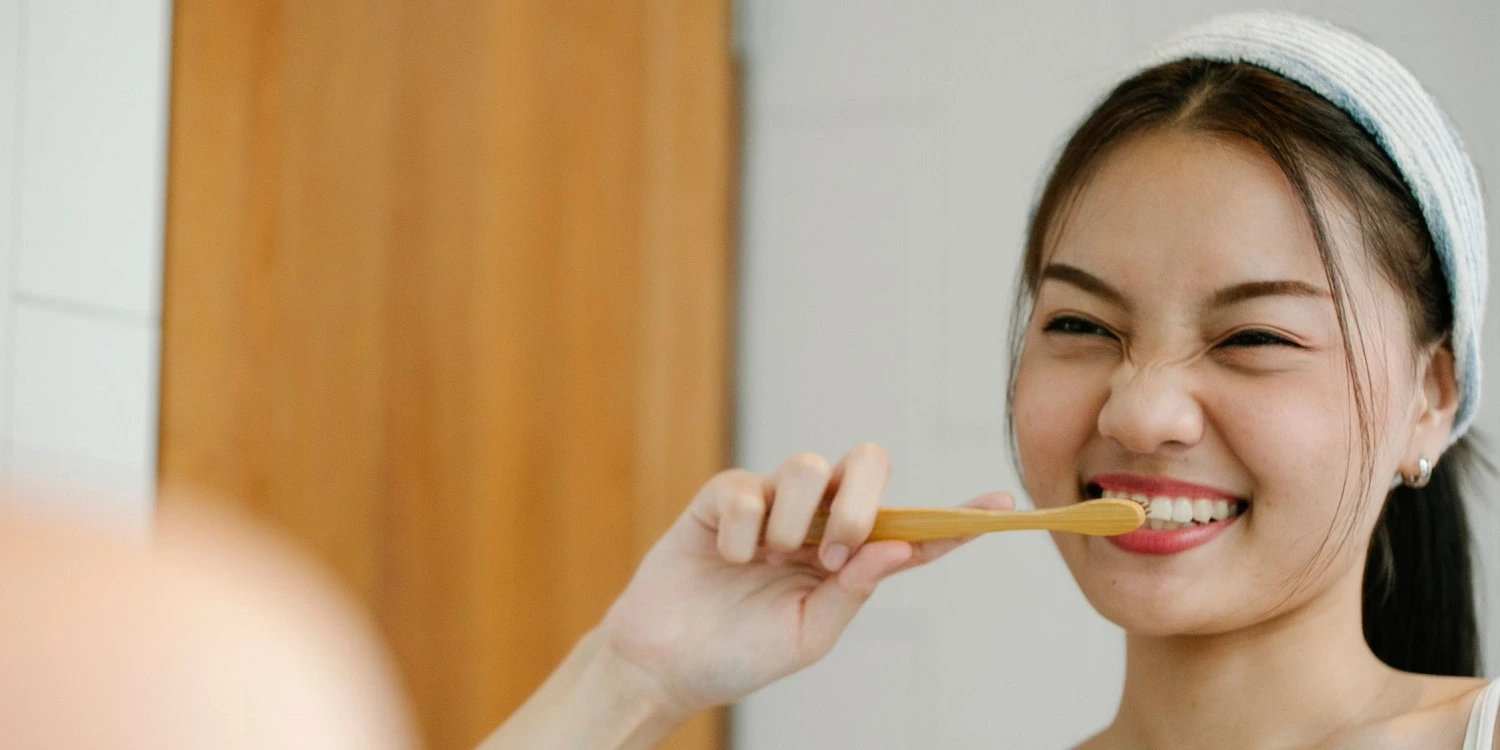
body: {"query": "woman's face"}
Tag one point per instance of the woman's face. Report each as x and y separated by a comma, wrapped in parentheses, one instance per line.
(1184, 330)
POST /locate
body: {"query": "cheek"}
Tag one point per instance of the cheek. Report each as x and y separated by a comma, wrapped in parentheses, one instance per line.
(1297, 438)
(1056, 411)
(1284, 438)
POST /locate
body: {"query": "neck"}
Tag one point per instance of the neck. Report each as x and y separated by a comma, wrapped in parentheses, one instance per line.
(1287, 681)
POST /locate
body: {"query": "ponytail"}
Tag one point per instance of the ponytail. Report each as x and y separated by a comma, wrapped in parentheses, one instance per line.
(1419, 606)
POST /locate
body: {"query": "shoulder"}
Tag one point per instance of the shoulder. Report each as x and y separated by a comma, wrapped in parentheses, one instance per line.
(1473, 690)
(1459, 708)
(1423, 711)
(244, 643)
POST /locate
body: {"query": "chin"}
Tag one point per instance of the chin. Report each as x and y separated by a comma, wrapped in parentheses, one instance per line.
(1153, 618)
(1157, 606)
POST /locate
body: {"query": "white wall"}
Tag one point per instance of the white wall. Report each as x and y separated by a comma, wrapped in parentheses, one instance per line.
(83, 93)
(892, 149)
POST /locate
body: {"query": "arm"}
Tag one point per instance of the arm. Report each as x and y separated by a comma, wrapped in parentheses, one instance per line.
(594, 699)
(728, 600)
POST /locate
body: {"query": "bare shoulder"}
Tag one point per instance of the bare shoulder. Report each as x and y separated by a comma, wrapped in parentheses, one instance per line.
(1423, 711)
(210, 634)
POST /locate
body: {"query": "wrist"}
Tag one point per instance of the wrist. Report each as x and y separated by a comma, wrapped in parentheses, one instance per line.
(642, 711)
(595, 699)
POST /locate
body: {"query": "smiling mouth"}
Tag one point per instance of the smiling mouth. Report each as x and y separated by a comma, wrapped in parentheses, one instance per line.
(1167, 513)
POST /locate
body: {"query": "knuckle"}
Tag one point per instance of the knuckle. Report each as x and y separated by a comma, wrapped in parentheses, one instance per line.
(806, 465)
(873, 455)
(744, 506)
(732, 483)
(735, 479)
(871, 452)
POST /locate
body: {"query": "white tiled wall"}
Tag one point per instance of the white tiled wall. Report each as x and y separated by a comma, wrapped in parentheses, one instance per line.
(83, 88)
(892, 150)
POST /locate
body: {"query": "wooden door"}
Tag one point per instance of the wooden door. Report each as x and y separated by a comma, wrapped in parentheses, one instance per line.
(448, 299)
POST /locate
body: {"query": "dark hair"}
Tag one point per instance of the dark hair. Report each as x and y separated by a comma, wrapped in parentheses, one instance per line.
(1419, 612)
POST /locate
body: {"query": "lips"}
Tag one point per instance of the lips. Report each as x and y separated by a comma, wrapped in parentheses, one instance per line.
(1149, 490)
(1149, 541)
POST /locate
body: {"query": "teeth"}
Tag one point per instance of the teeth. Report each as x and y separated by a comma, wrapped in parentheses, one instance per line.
(1160, 510)
(1167, 513)
(1182, 510)
(1203, 510)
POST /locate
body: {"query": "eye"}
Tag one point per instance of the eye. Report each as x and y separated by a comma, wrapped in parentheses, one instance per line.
(1071, 324)
(1256, 337)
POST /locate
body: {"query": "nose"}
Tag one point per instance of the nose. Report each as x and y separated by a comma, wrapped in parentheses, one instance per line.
(1149, 409)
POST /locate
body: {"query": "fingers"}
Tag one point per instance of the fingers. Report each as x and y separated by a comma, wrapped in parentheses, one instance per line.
(800, 483)
(737, 499)
(805, 480)
(737, 506)
(835, 601)
(862, 475)
(926, 552)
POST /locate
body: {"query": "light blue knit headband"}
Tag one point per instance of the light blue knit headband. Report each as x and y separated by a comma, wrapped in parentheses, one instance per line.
(1387, 100)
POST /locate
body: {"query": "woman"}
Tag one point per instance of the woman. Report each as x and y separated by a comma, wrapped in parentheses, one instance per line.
(1250, 300)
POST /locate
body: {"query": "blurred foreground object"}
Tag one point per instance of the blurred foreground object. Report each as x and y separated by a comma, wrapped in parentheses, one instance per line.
(212, 634)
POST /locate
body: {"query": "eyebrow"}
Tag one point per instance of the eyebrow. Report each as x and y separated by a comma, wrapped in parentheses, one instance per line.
(1225, 297)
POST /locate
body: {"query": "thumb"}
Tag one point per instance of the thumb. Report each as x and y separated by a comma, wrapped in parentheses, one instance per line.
(926, 552)
(834, 602)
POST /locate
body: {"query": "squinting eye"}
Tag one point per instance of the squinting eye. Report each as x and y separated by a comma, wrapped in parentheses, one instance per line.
(1075, 325)
(1256, 338)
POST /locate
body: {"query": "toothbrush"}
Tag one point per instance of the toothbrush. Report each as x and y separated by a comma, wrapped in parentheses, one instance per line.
(1105, 517)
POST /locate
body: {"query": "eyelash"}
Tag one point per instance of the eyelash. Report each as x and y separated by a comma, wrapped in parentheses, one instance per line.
(1262, 338)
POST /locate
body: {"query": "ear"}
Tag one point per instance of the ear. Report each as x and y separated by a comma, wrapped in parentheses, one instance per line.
(1437, 404)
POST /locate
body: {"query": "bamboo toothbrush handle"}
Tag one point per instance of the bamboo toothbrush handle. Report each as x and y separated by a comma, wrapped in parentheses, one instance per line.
(1095, 517)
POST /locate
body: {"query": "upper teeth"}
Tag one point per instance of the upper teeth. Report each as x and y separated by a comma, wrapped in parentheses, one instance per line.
(1173, 512)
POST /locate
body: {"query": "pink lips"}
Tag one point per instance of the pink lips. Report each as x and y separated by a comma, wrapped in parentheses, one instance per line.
(1148, 541)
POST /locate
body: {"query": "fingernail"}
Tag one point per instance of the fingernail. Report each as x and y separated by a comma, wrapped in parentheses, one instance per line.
(834, 556)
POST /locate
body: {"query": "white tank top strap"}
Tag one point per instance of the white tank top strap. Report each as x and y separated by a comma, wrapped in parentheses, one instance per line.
(1481, 734)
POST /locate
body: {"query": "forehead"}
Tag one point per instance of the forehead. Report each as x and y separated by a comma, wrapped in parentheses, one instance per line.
(1192, 209)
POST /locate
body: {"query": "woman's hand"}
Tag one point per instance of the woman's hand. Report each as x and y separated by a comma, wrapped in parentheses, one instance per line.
(729, 600)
